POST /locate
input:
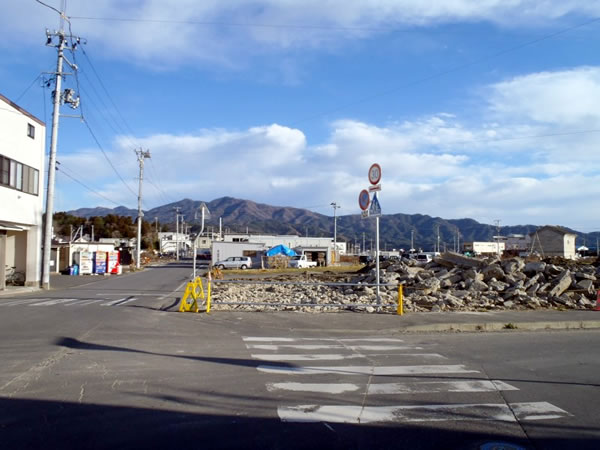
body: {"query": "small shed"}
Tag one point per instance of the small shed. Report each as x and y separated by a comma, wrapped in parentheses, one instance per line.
(553, 240)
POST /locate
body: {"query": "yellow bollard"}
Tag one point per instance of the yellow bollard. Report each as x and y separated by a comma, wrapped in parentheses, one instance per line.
(208, 296)
(400, 300)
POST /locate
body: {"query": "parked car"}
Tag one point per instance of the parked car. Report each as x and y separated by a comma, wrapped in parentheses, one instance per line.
(235, 262)
(301, 262)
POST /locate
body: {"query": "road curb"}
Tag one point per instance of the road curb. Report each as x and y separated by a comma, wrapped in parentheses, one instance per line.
(502, 326)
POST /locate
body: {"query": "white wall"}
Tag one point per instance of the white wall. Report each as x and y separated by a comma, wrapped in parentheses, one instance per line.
(19, 207)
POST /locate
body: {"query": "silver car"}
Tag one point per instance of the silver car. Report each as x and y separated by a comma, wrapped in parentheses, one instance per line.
(235, 262)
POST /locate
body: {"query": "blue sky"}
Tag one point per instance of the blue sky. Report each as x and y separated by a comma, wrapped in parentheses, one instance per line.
(481, 109)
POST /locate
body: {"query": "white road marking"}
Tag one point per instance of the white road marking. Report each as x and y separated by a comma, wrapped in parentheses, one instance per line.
(329, 388)
(429, 387)
(22, 301)
(331, 347)
(421, 413)
(55, 301)
(334, 357)
(288, 339)
(120, 301)
(366, 370)
(84, 302)
(299, 357)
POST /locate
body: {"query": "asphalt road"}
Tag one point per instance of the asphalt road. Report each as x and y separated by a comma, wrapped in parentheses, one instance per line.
(110, 364)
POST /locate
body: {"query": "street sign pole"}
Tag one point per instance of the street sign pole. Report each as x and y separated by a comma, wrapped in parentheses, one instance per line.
(377, 259)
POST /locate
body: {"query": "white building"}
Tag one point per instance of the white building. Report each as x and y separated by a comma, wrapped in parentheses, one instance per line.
(318, 249)
(484, 248)
(22, 143)
(169, 241)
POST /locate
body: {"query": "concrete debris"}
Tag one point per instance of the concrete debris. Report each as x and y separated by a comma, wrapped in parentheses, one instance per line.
(451, 282)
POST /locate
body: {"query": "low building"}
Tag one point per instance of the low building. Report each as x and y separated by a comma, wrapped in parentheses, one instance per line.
(22, 144)
(318, 248)
(553, 240)
(223, 250)
(484, 248)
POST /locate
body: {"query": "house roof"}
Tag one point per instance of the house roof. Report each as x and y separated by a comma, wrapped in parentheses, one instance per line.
(555, 228)
(21, 110)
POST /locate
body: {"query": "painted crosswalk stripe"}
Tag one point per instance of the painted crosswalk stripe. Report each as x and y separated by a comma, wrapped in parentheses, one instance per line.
(331, 347)
(22, 301)
(120, 301)
(430, 387)
(366, 370)
(422, 413)
(333, 357)
(55, 301)
(329, 388)
(427, 387)
(288, 339)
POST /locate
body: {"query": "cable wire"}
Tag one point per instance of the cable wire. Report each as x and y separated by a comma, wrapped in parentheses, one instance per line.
(106, 156)
(61, 170)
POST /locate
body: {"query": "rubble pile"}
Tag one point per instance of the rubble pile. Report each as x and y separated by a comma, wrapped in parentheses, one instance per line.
(451, 282)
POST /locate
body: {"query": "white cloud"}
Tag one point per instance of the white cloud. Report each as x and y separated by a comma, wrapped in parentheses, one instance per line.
(439, 165)
(564, 98)
(160, 33)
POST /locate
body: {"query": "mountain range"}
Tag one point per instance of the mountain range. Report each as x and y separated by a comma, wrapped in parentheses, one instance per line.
(396, 230)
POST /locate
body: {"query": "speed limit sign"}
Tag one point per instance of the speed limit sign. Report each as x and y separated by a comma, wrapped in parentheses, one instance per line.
(375, 174)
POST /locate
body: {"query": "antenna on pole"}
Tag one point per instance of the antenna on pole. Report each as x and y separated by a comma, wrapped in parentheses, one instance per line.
(56, 39)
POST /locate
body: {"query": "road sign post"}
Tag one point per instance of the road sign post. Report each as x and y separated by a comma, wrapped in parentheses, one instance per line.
(374, 210)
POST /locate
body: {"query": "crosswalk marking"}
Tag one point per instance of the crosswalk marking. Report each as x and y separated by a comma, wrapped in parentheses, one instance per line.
(283, 352)
(120, 301)
(332, 357)
(66, 302)
(427, 387)
(288, 339)
(54, 302)
(332, 347)
(367, 370)
(330, 388)
(512, 412)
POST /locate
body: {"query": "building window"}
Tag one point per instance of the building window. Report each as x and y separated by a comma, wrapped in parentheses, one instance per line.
(30, 131)
(19, 176)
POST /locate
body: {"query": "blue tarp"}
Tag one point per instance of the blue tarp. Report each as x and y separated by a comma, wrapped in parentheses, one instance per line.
(280, 250)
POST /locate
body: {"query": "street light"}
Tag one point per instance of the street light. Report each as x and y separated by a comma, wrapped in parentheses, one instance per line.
(335, 206)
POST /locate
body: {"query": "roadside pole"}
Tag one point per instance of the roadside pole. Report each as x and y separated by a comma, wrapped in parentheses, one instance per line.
(372, 208)
(377, 259)
(141, 155)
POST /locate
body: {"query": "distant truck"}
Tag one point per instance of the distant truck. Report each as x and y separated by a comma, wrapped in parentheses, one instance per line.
(301, 262)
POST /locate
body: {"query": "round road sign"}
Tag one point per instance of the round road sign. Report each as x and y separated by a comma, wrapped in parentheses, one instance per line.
(364, 199)
(374, 174)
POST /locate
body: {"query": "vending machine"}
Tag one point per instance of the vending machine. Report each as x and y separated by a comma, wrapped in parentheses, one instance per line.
(114, 265)
(100, 259)
(85, 261)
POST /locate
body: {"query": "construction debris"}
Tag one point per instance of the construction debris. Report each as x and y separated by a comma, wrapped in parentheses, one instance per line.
(451, 282)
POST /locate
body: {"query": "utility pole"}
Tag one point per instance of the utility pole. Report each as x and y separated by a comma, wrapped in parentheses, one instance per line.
(364, 249)
(335, 206)
(412, 241)
(58, 99)
(497, 223)
(438, 239)
(177, 232)
(92, 239)
(141, 155)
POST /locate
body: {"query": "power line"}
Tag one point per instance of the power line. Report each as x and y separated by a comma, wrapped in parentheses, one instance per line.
(106, 156)
(108, 94)
(62, 170)
(454, 69)
(28, 87)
